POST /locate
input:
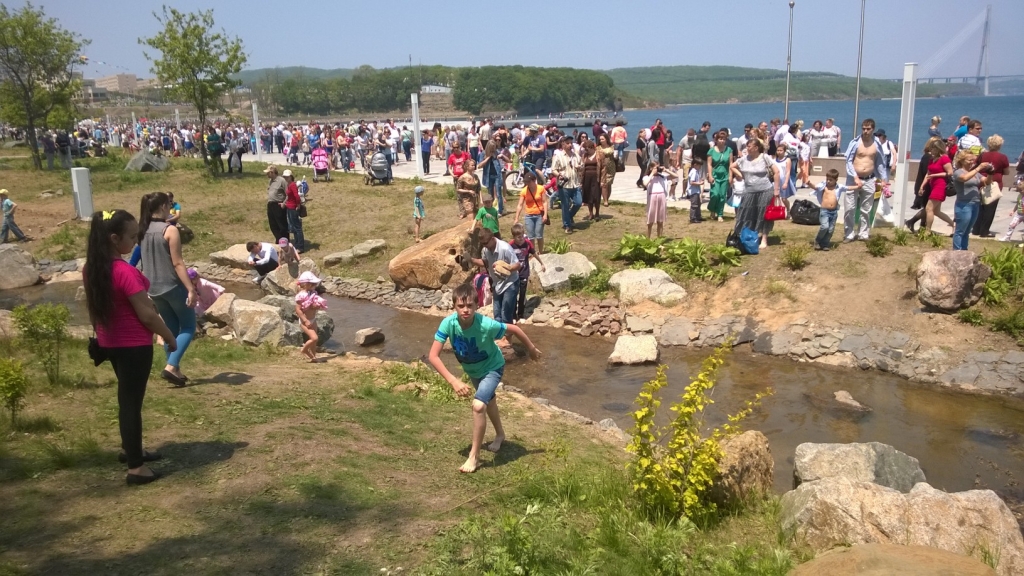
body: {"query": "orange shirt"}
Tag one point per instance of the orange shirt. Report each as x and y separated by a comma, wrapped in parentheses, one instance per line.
(534, 201)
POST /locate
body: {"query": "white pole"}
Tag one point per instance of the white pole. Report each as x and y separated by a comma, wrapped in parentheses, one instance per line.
(860, 57)
(177, 118)
(416, 134)
(256, 130)
(789, 58)
(901, 188)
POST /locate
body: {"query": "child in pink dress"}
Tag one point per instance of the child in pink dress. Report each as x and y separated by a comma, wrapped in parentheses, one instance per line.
(206, 292)
(307, 304)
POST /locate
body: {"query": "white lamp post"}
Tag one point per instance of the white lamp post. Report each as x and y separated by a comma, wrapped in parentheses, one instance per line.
(860, 56)
(789, 57)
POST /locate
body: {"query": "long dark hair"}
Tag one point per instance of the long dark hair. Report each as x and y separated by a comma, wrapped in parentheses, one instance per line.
(99, 262)
(150, 203)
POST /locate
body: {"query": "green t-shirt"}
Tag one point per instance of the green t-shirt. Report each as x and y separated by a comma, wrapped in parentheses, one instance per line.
(474, 347)
(488, 218)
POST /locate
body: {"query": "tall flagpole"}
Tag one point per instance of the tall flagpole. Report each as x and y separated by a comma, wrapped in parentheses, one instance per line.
(860, 59)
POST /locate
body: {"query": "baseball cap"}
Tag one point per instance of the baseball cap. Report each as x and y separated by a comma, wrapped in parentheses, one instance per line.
(286, 173)
(282, 242)
(418, 190)
(880, 132)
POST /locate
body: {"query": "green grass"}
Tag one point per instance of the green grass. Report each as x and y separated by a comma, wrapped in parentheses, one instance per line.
(794, 256)
(879, 246)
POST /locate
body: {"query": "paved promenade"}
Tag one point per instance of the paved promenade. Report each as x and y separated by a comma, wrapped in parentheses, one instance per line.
(625, 190)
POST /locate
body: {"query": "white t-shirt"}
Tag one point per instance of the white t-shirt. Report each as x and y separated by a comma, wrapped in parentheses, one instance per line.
(694, 178)
(969, 141)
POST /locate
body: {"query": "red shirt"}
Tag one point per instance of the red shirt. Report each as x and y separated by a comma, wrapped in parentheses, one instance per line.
(999, 163)
(125, 329)
(292, 200)
(455, 163)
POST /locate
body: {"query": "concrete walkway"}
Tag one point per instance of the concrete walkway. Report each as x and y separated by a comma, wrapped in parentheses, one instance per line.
(624, 189)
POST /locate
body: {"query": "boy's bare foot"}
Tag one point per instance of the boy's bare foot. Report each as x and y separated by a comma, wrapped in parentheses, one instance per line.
(496, 445)
(470, 466)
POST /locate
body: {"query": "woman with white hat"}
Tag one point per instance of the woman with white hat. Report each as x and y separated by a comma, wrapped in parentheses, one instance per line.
(307, 304)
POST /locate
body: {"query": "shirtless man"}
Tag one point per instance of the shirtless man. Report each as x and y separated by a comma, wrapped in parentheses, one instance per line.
(865, 164)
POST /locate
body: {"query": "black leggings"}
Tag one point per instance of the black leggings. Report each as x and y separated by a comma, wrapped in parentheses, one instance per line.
(131, 366)
(521, 299)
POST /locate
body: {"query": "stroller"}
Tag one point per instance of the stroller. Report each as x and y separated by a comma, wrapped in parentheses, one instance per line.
(321, 165)
(376, 169)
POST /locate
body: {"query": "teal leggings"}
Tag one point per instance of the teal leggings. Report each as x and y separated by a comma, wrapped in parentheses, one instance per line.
(180, 319)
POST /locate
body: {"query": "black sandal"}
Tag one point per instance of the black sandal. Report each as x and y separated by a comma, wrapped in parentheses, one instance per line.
(170, 377)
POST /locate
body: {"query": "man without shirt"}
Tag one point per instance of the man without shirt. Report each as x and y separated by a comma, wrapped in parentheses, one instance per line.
(865, 165)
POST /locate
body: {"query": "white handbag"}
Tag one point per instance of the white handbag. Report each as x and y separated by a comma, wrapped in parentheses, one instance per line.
(991, 193)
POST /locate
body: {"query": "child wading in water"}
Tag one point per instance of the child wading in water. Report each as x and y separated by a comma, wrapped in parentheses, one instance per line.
(307, 303)
(472, 336)
(419, 212)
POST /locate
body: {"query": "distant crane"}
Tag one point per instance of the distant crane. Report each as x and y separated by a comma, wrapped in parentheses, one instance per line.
(981, 21)
(983, 58)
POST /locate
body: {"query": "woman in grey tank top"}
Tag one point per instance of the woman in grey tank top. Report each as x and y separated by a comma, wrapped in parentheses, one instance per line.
(752, 167)
(170, 287)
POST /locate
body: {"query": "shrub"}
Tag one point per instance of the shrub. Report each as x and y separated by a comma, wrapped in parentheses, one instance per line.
(673, 467)
(879, 246)
(937, 241)
(596, 283)
(901, 236)
(639, 248)
(970, 316)
(44, 328)
(794, 256)
(13, 385)
(1007, 273)
(560, 246)
(1011, 322)
(694, 258)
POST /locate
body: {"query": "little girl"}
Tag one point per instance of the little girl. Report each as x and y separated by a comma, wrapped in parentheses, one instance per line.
(419, 212)
(286, 252)
(307, 303)
(1017, 213)
(694, 186)
(206, 292)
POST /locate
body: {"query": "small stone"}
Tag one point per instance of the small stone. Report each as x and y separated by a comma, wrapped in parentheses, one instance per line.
(608, 424)
(614, 328)
(369, 336)
(609, 303)
(539, 318)
(557, 323)
(638, 324)
(586, 331)
(845, 398)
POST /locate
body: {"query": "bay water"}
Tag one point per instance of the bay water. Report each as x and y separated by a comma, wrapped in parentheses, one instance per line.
(1003, 115)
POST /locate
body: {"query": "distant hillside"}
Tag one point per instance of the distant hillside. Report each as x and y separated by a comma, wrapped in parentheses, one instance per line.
(712, 84)
(278, 74)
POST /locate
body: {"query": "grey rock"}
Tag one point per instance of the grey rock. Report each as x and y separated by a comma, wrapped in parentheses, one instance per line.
(285, 306)
(19, 268)
(638, 324)
(541, 401)
(559, 268)
(235, 256)
(1014, 357)
(854, 342)
(336, 258)
(676, 332)
(635, 286)
(256, 323)
(608, 424)
(324, 327)
(985, 357)
(368, 247)
(539, 318)
(369, 336)
(897, 340)
(948, 280)
(634, 350)
(966, 373)
(868, 462)
(813, 353)
(845, 398)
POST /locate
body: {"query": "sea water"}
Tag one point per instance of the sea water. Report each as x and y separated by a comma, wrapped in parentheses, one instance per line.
(1003, 115)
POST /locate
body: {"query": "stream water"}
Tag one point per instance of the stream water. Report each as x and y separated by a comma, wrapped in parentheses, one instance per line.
(963, 441)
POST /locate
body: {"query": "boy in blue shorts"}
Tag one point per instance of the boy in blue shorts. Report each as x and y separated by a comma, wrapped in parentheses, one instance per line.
(472, 336)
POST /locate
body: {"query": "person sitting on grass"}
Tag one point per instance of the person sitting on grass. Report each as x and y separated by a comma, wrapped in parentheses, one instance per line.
(829, 192)
(487, 217)
(307, 304)
(472, 336)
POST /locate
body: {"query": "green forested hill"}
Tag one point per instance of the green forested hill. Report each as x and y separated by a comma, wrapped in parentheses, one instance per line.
(249, 77)
(709, 84)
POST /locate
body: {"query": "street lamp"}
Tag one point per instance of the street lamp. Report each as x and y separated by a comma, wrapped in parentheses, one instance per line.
(789, 57)
(860, 57)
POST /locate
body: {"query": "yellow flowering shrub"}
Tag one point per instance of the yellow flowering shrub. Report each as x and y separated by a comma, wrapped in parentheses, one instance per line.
(673, 467)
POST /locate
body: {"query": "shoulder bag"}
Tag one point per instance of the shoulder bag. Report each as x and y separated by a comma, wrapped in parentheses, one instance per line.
(991, 193)
(776, 210)
(771, 168)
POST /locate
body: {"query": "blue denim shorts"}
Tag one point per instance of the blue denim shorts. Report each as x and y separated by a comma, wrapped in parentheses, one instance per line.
(486, 386)
(534, 226)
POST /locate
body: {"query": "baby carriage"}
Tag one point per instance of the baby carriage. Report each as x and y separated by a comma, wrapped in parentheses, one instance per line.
(376, 169)
(321, 165)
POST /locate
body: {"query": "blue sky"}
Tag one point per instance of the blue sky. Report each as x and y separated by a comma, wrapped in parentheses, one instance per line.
(606, 34)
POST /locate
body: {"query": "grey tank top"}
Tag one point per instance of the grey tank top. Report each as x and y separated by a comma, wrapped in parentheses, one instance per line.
(156, 260)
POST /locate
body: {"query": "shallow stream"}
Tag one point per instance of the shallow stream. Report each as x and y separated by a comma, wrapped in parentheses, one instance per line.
(963, 441)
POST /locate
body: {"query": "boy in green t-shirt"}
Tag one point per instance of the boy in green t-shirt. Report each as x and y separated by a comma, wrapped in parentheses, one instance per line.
(472, 336)
(487, 217)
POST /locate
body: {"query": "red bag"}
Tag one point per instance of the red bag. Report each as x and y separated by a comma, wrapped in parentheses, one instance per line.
(775, 211)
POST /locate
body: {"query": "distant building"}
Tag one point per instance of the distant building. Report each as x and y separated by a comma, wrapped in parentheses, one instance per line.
(147, 84)
(121, 83)
(89, 92)
(434, 89)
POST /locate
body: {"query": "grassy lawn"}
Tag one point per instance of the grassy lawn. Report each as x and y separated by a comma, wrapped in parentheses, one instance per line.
(277, 467)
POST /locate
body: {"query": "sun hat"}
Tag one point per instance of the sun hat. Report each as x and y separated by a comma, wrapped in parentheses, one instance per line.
(193, 273)
(308, 278)
(3, 191)
(270, 168)
(418, 190)
(282, 241)
(286, 173)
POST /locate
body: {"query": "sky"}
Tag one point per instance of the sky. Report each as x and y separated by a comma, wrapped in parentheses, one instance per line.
(606, 33)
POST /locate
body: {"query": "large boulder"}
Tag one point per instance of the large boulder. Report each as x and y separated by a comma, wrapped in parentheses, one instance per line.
(220, 311)
(835, 512)
(365, 248)
(559, 268)
(233, 257)
(285, 306)
(949, 280)
(634, 350)
(324, 327)
(145, 162)
(19, 268)
(282, 279)
(746, 469)
(256, 323)
(892, 560)
(867, 462)
(635, 286)
(440, 261)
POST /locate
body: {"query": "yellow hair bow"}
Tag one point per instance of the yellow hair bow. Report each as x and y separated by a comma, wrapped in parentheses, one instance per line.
(107, 215)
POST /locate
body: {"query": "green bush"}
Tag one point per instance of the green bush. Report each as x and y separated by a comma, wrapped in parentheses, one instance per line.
(1007, 266)
(639, 248)
(794, 256)
(560, 246)
(937, 241)
(901, 236)
(1011, 322)
(596, 284)
(13, 385)
(970, 316)
(695, 259)
(879, 246)
(44, 328)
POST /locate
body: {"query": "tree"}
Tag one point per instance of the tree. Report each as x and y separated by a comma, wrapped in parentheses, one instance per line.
(196, 64)
(37, 61)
